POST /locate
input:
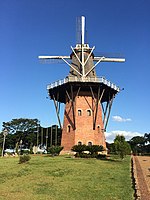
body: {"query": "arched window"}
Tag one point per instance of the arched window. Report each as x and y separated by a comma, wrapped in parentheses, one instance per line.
(79, 143)
(88, 112)
(68, 128)
(89, 143)
(79, 112)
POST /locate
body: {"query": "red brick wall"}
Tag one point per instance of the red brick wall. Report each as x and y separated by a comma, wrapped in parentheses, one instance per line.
(84, 124)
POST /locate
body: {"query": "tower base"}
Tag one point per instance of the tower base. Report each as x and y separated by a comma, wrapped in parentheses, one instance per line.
(82, 122)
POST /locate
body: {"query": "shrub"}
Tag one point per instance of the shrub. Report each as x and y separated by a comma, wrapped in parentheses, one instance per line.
(24, 158)
(24, 151)
(0, 151)
(79, 148)
(101, 156)
(55, 150)
(94, 149)
(145, 154)
(82, 155)
(85, 155)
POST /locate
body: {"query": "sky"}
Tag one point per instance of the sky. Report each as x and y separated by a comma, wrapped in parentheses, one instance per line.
(29, 28)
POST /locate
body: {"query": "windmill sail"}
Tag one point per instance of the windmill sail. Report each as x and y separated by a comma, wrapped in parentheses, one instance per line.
(80, 30)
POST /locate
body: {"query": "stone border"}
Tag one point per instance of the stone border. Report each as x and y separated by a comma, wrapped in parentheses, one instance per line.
(137, 193)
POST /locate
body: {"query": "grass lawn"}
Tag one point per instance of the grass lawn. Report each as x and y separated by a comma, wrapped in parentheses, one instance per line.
(46, 178)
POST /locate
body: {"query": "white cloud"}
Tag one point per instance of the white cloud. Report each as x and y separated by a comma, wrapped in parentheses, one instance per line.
(110, 136)
(120, 119)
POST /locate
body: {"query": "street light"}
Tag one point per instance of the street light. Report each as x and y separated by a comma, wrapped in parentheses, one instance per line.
(5, 132)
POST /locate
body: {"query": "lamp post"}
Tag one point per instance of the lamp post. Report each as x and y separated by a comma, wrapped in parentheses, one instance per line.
(5, 132)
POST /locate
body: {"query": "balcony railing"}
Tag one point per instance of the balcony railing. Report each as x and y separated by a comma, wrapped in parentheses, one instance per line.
(87, 79)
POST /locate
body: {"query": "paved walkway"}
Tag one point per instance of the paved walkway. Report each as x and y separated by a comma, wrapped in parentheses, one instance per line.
(141, 165)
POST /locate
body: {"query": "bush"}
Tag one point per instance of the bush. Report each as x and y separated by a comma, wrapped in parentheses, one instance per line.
(79, 148)
(82, 155)
(93, 151)
(0, 151)
(145, 154)
(24, 151)
(101, 156)
(85, 155)
(55, 150)
(24, 158)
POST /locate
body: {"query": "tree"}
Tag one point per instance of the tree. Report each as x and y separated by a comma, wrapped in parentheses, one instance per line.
(137, 144)
(138, 140)
(21, 129)
(21, 125)
(122, 148)
(147, 137)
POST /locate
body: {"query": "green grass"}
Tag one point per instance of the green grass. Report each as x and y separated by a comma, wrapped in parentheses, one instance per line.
(46, 178)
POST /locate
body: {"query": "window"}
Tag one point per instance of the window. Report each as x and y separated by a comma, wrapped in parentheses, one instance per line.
(68, 128)
(79, 112)
(98, 128)
(79, 143)
(89, 143)
(88, 112)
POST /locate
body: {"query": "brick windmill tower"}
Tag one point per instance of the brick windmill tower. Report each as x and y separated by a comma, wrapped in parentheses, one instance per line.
(88, 99)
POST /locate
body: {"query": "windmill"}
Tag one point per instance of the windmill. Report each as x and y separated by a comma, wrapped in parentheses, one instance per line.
(88, 99)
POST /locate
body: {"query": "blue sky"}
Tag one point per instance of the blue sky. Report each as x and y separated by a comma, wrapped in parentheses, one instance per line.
(29, 28)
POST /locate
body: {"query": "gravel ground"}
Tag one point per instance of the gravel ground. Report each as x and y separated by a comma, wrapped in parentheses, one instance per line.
(143, 176)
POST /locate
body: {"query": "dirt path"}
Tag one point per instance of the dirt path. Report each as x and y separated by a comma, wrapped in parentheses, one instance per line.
(141, 166)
